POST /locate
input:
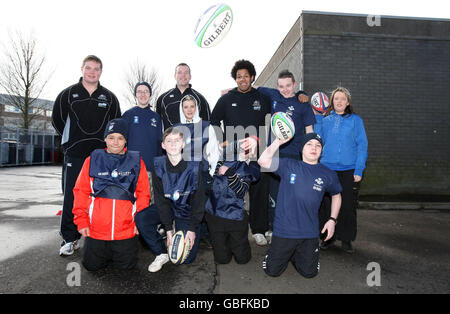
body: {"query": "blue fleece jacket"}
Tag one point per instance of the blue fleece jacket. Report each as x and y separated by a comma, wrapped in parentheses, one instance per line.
(144, 133)
(345, 143)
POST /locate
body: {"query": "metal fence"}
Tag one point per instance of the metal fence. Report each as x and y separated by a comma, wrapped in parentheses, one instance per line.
(27, 147)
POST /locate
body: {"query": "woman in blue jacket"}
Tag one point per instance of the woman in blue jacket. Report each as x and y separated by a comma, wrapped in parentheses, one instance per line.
(345, 151)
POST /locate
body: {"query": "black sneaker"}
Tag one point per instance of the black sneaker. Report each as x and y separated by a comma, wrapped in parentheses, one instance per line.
(207, 243)
(161, 231)
(324, 245)
(347, 247)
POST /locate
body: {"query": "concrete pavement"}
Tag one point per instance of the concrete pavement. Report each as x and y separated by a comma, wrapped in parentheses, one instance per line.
(397, 251)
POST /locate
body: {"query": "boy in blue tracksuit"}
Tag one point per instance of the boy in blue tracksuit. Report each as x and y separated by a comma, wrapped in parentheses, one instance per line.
(225, 212)
(179, 193)
(296, 225)
(283, 99)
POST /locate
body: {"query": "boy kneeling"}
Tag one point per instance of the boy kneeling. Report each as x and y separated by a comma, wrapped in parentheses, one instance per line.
(111, 188)
(179, 192)
(296, 225)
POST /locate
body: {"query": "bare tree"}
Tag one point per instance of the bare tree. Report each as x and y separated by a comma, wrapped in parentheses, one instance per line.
(138, 72)
(21, 76)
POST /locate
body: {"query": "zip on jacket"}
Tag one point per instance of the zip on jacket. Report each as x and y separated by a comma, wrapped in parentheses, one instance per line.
(345, 142)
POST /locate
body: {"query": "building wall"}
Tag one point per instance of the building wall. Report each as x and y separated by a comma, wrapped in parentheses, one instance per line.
(398, 74)
(11, 117)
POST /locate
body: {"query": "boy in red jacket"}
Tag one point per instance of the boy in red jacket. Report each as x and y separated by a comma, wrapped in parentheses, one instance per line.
(111, 188)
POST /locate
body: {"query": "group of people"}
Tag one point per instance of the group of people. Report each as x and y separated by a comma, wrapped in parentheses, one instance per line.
(186, 168)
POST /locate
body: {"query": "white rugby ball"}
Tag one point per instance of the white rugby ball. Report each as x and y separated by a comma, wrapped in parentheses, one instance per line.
(213, 25)
(282, 125)
(179, 251)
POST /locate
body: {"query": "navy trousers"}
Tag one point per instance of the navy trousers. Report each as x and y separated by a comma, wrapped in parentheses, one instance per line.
(147, 221)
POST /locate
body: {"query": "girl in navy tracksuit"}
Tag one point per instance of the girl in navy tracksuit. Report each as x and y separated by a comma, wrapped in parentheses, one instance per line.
(345, 151)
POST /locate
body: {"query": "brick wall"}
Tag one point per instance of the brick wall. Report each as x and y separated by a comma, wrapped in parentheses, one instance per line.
(399, 77)
(401, 89)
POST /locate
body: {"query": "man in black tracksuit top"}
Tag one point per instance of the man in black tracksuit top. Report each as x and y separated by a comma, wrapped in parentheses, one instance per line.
(168, 104)
(80, 115)
(245, 107)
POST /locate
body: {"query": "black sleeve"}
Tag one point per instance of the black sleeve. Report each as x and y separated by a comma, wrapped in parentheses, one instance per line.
(116, 113)
(60, 112)
(163, 204)
(267, 104)
(158, 105)
(218, 113)
(205, 111)
(217, 116)
(198, 200)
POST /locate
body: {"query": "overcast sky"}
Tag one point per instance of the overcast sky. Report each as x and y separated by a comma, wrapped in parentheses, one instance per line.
(161, 34)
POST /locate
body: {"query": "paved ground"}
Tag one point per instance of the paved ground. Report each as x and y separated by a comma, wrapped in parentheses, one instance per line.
(397, 251)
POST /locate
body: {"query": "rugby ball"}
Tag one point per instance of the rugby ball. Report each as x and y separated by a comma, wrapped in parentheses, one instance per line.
(282, 125)
(179, 251)
(213, 25)
(319, 101)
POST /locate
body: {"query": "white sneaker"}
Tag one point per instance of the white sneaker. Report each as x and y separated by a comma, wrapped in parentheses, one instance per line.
(260, 239)
(68, 248)
(268, 235)
(159, 261)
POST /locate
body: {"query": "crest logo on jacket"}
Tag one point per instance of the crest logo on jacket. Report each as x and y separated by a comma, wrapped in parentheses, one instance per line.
(176, 195)
(116, 173)
(290, 111)
(318, 184)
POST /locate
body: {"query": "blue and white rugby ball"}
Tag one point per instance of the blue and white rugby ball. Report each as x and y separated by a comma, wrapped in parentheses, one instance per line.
(179, 251)
(213, 25)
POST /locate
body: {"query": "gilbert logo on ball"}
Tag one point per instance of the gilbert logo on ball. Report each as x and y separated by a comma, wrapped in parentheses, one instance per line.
(282, 125)
(213, 25)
